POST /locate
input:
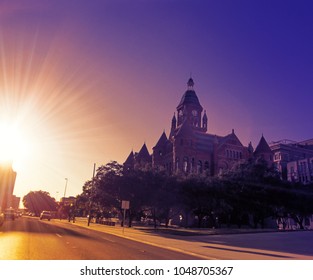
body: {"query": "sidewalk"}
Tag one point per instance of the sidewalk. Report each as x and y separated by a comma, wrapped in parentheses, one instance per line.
(202, 243)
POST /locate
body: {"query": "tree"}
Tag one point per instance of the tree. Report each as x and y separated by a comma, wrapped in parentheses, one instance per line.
(199, 197)
(37, 201)
(100, 195)
(135, 188)
(163, 196)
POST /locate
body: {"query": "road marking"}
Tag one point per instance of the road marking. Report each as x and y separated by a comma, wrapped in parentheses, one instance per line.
(106, 239)
(59, 235)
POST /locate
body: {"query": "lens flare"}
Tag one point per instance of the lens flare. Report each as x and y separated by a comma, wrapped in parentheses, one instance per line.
(14, 144)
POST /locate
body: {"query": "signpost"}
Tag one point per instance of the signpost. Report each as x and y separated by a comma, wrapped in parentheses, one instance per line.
(125, 206)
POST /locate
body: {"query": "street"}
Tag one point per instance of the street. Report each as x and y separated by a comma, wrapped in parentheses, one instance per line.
(28, 238)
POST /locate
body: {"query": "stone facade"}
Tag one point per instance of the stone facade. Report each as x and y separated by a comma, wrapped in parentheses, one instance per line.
(300, 171)
(189, 148)
(289, 156)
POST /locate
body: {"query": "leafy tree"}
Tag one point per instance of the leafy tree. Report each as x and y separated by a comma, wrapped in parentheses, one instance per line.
(163, 196)
(37, 201)
(100, 195)
(135, 187)
(199, 197)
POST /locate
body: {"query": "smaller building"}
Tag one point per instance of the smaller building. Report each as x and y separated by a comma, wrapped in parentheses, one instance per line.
(287, 151)
(68, 201)
(300, 170)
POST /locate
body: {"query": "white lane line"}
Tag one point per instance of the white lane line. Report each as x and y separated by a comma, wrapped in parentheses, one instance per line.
(59, 235)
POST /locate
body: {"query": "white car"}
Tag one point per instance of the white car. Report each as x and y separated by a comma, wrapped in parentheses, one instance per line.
(45, 215)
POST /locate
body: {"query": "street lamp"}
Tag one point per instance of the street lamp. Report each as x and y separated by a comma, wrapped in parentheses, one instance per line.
(90, 198)
(65, 186)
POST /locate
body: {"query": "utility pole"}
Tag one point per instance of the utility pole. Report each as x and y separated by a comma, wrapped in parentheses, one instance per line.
(65, 187)
(92, 185)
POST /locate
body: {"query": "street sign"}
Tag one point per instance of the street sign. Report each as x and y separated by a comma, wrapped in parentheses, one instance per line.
(125, 204)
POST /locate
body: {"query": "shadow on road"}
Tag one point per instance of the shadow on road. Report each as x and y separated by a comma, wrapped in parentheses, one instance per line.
(293, 242)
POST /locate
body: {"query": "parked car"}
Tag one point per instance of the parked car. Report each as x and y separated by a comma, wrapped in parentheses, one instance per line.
(45, 215)
(9, 214)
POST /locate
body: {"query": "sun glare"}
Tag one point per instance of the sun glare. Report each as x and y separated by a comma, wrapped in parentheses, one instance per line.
(14, 146)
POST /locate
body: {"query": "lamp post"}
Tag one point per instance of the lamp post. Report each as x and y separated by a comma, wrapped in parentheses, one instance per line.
(65, 186)
(90, 198)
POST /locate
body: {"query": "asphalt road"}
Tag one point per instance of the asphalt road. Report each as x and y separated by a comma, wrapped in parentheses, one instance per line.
(29, 238)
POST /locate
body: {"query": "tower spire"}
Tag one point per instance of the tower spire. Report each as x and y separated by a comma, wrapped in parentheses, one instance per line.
(190, 84)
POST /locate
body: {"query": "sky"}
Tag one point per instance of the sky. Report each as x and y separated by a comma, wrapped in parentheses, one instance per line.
(86, 82)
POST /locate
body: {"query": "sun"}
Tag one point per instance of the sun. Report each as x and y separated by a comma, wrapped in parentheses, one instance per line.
(14, 145)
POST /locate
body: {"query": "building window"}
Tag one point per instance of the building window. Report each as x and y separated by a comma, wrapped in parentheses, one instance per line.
(206, 167)
(199, 167)
(192, 164)
(185, 164)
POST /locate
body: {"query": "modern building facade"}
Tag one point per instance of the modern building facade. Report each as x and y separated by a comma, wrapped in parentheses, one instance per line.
(300, 170)
(292, 159)
(190, 148)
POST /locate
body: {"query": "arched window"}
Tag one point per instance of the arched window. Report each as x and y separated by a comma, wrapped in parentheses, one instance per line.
(185, 164)
(177, 164)
(199, 167)
(192, 165)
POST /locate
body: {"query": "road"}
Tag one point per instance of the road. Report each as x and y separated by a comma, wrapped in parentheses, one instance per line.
(29, 238)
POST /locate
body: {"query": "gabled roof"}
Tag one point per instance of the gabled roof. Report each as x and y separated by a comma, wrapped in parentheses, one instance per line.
(143, 153)
(130, 159)
(162, 141)
(262, 147)
(230, 139)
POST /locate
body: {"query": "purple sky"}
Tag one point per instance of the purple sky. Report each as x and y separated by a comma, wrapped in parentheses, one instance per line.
(88, 81)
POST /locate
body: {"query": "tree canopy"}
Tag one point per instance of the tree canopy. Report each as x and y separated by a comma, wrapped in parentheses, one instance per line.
(37, 201)
(246, 195)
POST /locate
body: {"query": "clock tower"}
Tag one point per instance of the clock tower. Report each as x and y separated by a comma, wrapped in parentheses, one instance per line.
(189, 108)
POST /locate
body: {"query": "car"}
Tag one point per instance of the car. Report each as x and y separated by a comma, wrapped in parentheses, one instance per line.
(9, 214)
(45, 215)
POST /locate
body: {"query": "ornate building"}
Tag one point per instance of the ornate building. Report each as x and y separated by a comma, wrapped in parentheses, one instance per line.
(290, 156)
(189, 148)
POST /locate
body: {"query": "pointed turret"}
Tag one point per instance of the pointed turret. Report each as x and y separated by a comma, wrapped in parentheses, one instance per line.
(189, 107)
(143, 157)
(190, 84)
(263, 151)
(130, 161)
(173, 126)
(160, 150)
(162, 141)
(205, 122)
